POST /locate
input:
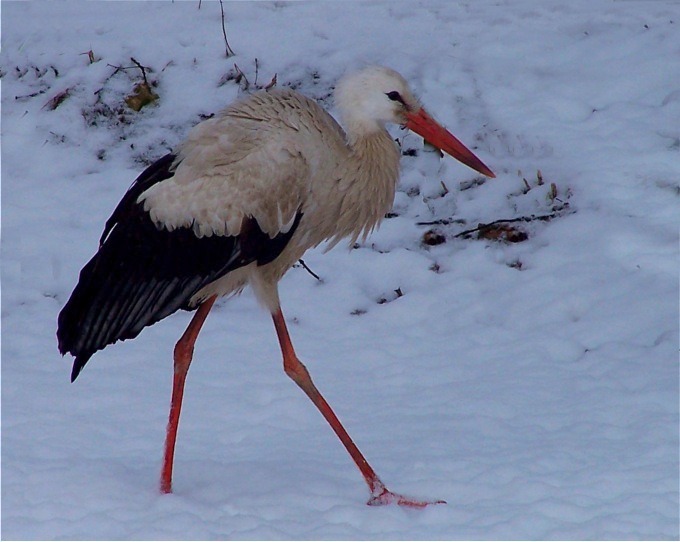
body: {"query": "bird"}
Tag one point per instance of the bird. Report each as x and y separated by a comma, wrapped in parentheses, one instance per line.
(237, 204)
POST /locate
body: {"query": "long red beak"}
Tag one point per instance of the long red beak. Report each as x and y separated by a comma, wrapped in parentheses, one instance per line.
(435, 134)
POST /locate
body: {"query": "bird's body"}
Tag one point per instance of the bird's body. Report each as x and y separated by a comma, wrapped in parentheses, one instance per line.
(276, 158)
(237, 204)
(281, 155)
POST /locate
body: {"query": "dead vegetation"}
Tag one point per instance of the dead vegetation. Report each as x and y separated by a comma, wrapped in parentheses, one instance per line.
(505, 230)
(237, 76)
(56, 100)
(142, 94)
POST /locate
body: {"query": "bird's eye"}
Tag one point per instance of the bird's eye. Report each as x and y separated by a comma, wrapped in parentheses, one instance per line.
(395, 97)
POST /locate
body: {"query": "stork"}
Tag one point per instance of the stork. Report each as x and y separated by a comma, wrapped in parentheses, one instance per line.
(236, 205)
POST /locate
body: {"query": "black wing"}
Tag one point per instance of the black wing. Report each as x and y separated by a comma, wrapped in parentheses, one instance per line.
(141, 273)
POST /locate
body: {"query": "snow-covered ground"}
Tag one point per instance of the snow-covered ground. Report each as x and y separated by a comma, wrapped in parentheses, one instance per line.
(532, 385)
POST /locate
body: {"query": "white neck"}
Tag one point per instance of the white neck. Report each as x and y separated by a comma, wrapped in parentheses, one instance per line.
(368, 182)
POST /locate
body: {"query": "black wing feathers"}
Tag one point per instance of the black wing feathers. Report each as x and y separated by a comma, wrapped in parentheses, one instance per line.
(142, 274)
(160, 170)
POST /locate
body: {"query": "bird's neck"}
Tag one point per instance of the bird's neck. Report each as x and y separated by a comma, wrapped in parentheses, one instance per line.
(374, 164)
(369, 181)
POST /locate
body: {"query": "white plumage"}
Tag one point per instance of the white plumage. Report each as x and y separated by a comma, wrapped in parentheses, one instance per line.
(238, 203)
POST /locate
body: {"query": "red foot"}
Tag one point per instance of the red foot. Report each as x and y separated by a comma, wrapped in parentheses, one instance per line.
(382, 496)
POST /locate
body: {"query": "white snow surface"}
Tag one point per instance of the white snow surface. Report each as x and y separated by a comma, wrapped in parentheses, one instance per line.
(531, 385)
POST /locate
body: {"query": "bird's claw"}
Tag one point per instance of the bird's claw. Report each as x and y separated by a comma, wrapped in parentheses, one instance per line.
(381, 496)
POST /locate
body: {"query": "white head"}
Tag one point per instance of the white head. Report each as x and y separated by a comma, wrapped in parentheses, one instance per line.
(369, 98)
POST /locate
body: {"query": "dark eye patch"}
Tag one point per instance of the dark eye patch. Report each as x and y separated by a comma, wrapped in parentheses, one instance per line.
(395, 97)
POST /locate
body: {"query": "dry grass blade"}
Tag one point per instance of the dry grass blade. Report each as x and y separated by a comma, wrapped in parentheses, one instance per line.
(57, 100)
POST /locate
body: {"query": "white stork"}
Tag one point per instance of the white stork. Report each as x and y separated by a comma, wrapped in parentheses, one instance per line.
(238, 203)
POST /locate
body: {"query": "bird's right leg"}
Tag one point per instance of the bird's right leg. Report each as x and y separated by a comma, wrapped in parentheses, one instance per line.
(299, 374)
(183, 353)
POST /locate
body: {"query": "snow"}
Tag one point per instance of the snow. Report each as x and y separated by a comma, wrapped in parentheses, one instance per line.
(532, 385)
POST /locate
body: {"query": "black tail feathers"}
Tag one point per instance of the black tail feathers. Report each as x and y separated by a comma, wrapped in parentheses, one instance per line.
(144, 272)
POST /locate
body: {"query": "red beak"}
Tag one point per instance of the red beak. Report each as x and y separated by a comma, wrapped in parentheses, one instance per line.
(435, 134)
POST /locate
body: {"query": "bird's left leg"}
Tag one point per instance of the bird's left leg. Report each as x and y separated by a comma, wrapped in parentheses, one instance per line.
(183, 353)
(298, 372)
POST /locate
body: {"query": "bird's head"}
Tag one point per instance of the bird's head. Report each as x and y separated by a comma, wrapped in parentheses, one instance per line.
(374, 96)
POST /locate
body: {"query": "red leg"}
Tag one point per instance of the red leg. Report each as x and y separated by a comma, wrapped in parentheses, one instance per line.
(184, 350)
(298, 372)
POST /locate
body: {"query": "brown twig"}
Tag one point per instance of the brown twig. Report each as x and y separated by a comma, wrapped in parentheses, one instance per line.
(32, 95)
(447, 221)
(228, 50)
(482, 227)
(439, 222)
(146, 82)
(303, 264)
(240, 76)
(271, 83)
